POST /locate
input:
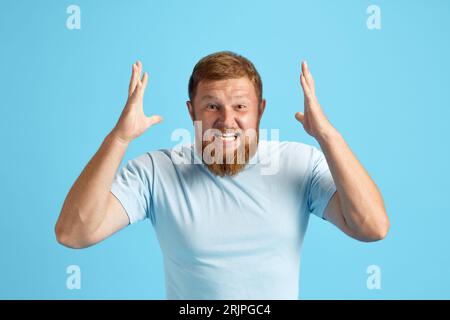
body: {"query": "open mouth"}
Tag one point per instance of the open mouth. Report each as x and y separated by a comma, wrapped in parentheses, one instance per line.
(227, 137)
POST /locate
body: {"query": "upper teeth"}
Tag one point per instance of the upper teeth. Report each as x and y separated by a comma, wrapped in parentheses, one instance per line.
(227, 136)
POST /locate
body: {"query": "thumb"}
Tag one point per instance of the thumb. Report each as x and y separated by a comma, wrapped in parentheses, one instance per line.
(150, 121)
(299, 116)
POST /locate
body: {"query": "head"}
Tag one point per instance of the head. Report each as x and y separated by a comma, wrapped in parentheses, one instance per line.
(226, 105)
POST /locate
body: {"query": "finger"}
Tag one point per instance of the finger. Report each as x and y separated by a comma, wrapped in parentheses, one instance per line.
(139, 77)
(144, 81)
(139, 66)
(153, 120)
(133, 80)
(141, 85)
(299, 116)
(306, 89)
(308, 75)
(304, 67)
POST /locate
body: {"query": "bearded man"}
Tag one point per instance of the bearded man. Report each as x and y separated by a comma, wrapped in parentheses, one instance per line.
(228, 228)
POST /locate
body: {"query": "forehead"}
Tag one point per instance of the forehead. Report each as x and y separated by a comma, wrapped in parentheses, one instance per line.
(226, 88)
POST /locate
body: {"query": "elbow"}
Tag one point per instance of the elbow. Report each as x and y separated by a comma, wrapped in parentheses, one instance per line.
(65, 239)
(378, 235)
(378, 231)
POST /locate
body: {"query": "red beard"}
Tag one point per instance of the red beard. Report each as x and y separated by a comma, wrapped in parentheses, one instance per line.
(230, 165)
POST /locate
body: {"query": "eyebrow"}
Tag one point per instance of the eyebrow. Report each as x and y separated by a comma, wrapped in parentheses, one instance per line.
(208, 97)
(214, 97)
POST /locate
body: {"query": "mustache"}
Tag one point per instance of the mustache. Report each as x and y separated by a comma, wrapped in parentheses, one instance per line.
(212, 133)
(227, 130)
(238, 132)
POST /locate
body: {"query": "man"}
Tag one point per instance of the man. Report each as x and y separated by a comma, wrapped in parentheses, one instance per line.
(226, 229)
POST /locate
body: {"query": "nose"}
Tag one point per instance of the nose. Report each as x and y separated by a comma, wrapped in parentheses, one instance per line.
(227, 118)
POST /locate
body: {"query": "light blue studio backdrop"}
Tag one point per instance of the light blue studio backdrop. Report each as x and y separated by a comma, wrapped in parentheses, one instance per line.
(387, 92)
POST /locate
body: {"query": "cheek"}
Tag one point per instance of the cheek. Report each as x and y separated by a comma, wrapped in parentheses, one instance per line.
(207, 120)
(248, 121)
(203, 125)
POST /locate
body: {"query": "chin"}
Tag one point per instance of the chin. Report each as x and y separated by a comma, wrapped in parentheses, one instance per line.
(230, 162)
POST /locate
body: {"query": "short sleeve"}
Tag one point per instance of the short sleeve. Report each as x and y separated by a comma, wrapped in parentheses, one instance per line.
(132, 187)
(321, 184)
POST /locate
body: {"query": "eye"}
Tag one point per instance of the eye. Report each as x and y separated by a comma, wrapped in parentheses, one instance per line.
(241, 107)
(212, 107)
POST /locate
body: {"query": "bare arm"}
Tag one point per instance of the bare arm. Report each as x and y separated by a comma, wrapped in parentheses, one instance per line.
(90, 212)
(357, 207)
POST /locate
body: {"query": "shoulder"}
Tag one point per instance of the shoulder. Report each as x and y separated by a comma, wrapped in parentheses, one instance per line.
(288, 149)
(165, 155)
(286, 158)
(169, 159)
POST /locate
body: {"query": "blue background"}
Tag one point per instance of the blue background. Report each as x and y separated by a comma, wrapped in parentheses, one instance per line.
(387, 92)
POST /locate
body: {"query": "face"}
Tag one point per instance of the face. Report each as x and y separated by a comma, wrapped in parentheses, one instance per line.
(227, 117)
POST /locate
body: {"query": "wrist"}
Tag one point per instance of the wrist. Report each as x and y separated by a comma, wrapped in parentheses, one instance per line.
(117, 139)
(327, 135)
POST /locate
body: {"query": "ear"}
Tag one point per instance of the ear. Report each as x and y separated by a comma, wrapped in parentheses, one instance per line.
(191, 110)
(262, 107)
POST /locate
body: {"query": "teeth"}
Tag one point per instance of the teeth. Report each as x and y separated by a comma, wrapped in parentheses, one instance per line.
(227, 136)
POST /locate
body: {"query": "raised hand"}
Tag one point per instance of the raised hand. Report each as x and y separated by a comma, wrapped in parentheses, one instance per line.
(133, 122)
(313, 119)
